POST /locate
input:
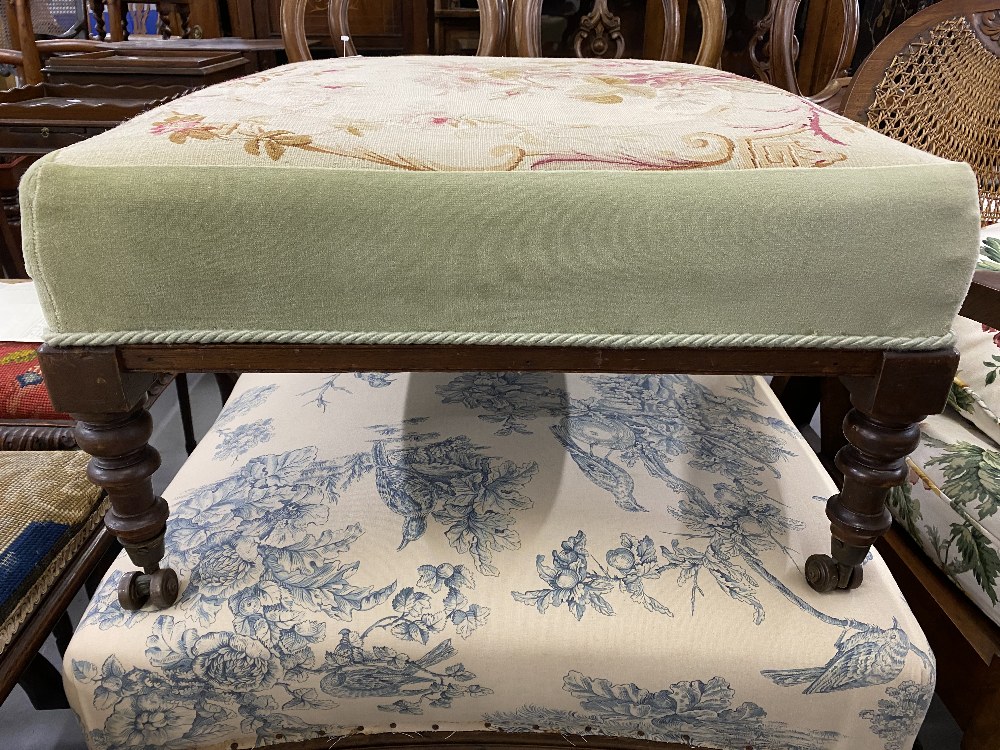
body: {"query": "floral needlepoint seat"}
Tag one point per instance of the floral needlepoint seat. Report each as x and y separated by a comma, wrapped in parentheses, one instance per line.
(405, 151)
(22, 388)
(596, 555)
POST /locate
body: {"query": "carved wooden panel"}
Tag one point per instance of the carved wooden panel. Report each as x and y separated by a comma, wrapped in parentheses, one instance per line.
(987, 28)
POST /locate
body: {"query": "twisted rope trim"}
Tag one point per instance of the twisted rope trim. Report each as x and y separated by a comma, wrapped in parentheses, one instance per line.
(595, 340)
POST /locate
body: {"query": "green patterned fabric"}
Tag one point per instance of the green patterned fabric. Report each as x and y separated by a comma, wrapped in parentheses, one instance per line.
(497, 201)
(949, 506)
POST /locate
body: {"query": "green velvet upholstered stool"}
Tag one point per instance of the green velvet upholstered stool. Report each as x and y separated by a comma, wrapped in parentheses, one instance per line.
(51, 541)
(500, 215)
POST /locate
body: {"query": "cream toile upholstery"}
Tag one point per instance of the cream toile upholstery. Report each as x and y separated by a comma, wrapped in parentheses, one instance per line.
(604, 554)
(499, 201)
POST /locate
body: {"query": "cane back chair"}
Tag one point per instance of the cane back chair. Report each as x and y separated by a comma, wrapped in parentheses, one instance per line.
(519, 217)
(934, 83)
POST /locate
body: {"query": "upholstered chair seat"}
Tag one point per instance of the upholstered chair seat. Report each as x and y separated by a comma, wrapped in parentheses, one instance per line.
(609, 555)
(22, 388)
(949, 505)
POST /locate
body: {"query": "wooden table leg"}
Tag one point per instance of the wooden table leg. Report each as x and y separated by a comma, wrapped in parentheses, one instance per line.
(118, 20)
(97, 8)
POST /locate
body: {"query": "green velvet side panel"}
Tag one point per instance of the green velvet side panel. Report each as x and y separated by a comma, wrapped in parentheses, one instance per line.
(850, 252)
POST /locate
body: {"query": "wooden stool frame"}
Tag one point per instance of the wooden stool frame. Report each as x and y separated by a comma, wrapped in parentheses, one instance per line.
(104, 388)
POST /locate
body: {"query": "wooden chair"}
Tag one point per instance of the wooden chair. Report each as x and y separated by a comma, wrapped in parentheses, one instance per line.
(934, 82)
(600, 33)
(53, 544)
(26, 57)
(370, 246)
(774, 50)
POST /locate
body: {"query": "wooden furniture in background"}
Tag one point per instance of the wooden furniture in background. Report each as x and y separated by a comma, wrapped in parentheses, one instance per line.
(600, 31)
(145, 67)
(817, 69)
(182, 18)
(456, 27)
(380, 27)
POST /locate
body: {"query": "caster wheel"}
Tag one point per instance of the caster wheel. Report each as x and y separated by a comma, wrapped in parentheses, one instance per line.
(857, 576)
(163, 588)
(822, 573)
(130, 594)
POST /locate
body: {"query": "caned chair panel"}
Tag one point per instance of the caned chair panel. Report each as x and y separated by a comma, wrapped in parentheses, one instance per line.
(949, 53)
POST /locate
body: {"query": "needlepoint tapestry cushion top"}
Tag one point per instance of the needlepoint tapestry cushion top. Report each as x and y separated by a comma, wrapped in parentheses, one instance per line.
(491, 201)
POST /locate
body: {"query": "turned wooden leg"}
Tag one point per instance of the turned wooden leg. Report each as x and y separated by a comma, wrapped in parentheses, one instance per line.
(122, 464)
(117, 20)
(184, 12)
(881, 430)
(97, 8)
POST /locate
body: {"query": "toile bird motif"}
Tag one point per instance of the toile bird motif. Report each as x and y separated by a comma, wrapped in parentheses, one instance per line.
(604, 473)
(872, 656)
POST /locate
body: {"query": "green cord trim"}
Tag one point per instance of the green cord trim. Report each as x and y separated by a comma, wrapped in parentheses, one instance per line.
(603, 340)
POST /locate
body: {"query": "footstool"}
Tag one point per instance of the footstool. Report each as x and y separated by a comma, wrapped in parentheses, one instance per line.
(611, 556)
(453, 214)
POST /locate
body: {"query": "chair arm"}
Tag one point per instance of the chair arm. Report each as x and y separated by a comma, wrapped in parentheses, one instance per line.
(982, 303)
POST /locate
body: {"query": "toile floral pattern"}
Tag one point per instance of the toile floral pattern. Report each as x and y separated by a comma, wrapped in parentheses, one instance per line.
(499, 114)
(392, 552)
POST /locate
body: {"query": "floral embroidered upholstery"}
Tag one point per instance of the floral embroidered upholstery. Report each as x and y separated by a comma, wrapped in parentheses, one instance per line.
(976, 392)
(527, 201)
(22, 389)
(390, 552)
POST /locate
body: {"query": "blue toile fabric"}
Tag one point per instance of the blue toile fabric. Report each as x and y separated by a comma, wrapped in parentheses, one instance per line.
(579, 554)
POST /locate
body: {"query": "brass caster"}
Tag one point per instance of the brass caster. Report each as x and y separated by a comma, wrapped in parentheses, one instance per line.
(822, 573)
(159, 588)
(130, 594)
(163, 588)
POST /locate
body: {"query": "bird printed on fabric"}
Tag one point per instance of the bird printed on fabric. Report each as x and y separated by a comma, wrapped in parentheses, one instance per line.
(604, 473)
(872, 656)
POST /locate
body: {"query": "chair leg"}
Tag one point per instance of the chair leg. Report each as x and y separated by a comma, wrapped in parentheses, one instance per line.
(97, 8)
(226, 382)
(881, 429)
(799, 395)
(43, 685)
(187, 422)
(123, 463)
(62, 631)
